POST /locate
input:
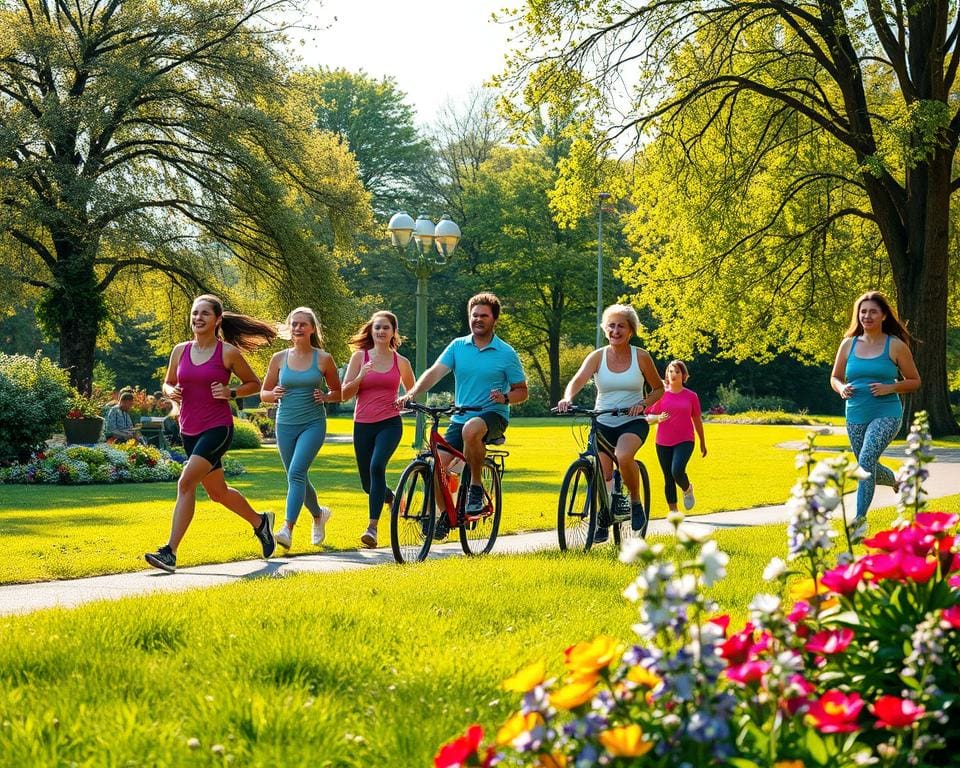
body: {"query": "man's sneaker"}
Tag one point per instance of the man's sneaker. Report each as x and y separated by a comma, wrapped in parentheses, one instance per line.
(620, 506)
(163, 558)
(442, 527)
(475, 500)
(265, 534)
(284, 536)
(320, 525)
(688, 500)
(638, 517)
(369, 538)
(601, 535)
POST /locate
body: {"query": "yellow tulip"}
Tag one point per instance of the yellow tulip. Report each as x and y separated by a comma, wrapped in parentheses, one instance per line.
(574, 694)
(643, 676)
(591, 656)
(517, 725)
(789, 764)
(527, 678)
(556, 760)
(625, 741)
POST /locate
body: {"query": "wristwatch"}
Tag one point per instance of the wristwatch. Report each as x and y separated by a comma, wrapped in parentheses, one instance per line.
(233, 393)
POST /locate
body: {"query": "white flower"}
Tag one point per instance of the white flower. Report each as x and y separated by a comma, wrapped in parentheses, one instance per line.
(674, 517)
(762, 606)
(632, 592)
(631, 549)
(687, 532)
(714, 563)
(860, 473)
(775, 569)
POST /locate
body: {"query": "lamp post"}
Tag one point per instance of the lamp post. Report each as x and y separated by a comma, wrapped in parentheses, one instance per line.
(601, 197)
(415, 242)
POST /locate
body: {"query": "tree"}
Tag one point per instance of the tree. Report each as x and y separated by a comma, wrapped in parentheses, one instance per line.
(140, 139)
(877, 79)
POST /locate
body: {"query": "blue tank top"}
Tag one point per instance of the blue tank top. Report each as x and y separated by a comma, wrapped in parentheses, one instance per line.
(297, 405)
(863, 407)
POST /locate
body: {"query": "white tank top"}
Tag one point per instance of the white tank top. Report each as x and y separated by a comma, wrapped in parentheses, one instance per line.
(618, 390)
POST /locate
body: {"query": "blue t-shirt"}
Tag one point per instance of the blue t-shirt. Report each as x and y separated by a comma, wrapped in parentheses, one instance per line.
(863, 407)
(477, 371)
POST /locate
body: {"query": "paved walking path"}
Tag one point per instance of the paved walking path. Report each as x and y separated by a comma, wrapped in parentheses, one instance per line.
(22, 598)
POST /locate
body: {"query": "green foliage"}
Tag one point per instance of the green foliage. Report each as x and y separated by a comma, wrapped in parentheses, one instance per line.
(764, 417)
(246, 434)
(80, 465)
(34, 400)
(732, 400)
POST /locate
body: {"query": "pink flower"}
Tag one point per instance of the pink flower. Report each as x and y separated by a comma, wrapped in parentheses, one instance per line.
(829, 642)
(736, 648)
(951, 615)
(936, 522)
(918, 569)
(748, 672)
(801, 609)
(915, 540)
(836, 712)
(844, 578)
(894, 712)
(798, 694)
(722, 621)
(882, 566)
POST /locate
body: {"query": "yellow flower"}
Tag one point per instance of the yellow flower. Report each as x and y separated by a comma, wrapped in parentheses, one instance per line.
(625, 741)
(527, 678)
(574, 694)
(789, 764)
(804, 590)
(556, 760)
(643, 676)
(517, 725)
(585, 657)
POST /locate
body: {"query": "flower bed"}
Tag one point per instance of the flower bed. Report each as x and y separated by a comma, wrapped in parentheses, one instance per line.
(101, 463)
(862, 668)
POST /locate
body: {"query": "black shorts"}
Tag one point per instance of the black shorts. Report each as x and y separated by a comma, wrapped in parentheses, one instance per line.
(496, 427)
(210, 445)
(611, 435)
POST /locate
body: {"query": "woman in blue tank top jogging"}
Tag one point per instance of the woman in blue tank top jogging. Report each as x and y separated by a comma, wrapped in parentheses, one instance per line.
(295, 381)
(874, 366)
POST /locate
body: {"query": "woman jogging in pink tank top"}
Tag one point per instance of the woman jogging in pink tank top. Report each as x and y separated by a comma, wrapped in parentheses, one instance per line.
(374, 375)
(198, 378)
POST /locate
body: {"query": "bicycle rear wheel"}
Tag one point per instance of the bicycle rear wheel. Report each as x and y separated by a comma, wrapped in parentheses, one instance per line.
(624, 531)
(479, 532)
(413, 514)
(577, 512)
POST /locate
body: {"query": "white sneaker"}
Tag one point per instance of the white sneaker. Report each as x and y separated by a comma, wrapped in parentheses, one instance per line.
(284, 536)
(320, 526)
(688, 500)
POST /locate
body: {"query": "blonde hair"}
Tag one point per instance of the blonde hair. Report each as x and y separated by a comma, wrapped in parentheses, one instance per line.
(628, 312)
(316, 336)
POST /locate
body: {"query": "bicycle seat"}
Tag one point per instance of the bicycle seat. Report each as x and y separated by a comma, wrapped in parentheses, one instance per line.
(496, 441)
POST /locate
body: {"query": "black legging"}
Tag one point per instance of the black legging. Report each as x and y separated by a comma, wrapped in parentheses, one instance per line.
(673, 463)
(373, 445)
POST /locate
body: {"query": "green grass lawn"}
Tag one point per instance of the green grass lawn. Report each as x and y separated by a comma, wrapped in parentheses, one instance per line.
(371, 667)
(59, 532)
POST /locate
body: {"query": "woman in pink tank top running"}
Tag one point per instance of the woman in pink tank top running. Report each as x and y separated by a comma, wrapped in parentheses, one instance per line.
(374, 375)
(198, 379)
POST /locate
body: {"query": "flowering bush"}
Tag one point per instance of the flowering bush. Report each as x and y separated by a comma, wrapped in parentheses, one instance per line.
(80, 464)
(863, 668)
(84, 407)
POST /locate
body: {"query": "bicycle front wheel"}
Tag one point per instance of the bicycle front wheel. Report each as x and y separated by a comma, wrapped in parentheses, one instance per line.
(577, 512)
(413, 514)
(624, 531)
(479, 532)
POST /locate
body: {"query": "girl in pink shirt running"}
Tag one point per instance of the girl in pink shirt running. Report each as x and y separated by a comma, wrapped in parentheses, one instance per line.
(679, 409)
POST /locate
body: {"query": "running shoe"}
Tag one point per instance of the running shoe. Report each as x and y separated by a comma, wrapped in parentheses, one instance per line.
(620, 506)
(163, 558)
(688, 500)
(442, 527)
(369, 538)
(475, 500)
(265, 534)
(284, 536)
(320, 525)
(601, 535)
(638, 518)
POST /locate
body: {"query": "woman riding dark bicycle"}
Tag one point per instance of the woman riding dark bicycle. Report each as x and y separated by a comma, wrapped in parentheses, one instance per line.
(620, 371)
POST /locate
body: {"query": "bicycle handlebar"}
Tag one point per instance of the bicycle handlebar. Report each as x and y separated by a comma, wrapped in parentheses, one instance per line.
(576, 410)
(433, 410)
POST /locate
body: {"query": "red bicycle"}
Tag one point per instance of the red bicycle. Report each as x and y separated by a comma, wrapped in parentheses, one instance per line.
(413, 516)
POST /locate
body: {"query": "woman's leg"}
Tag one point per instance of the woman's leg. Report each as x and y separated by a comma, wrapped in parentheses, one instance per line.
(626, 451)
(364, 436)
(665, 457)
(192, 475)
(386, 441)
(215, 484)
(869, 441)
(300, 491)
(678, 468)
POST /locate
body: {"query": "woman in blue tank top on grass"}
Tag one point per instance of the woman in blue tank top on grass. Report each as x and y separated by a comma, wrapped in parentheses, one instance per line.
(295, 381)
(874, 366)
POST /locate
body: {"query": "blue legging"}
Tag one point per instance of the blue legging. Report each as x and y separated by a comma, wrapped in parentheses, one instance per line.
(673, 463)
(868, 441)
(299, 445)
(374, 444)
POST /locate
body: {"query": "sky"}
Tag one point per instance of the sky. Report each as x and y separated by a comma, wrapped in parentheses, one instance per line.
(436, 50)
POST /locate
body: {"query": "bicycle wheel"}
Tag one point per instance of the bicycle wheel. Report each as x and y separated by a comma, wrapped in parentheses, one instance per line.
(624, 531)
(413, 515)
(577, 511)
(479, 532)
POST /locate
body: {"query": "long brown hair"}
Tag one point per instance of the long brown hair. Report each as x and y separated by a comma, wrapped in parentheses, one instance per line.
(316, 336)
(246, 333)
(891, 324)
(363, 338)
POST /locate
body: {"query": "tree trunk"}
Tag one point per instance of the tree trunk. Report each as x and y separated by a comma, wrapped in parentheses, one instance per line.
(78, 342)
(553, 356)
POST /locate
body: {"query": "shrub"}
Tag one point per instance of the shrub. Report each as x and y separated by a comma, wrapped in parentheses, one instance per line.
(127, 462)
(765, 417)
(262, 422)
(245, 434)
(862, 669)
(34, 399)
(732, 400)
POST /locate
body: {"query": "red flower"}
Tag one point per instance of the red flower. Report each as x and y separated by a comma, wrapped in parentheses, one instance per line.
(798, 694)
(882, 566)
(748, 672)
(844, 578)
(835, 712)
(458, 752)
(894, 712)
(951, 615)
(722, 621)
(915, 540)
(936, 522)
(801, 609)
(918, 569)
(829, 642)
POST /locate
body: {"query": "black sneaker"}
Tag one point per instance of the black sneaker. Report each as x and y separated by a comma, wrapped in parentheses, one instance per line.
(442, 528)
(601, 535)
(638, 518)
(620, 507)
(265, 534)
(163, 558)
(475, 500)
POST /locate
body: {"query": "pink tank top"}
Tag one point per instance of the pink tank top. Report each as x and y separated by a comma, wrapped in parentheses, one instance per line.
(377, 396)
(200, 410)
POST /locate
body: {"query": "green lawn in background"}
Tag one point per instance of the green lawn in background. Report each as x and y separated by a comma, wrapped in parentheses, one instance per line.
(371, 667)
(60, 532)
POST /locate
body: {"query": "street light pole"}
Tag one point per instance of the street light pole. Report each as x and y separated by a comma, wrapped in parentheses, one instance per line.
(415, 242)
(600, 198)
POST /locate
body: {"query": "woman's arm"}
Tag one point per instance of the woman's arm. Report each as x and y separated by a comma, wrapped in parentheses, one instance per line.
(271, 392)
(407, 377)
(234, 362)
(329, 370)
(697, 419)
(587, 369)
(355, 373)
(910, 382)
(652, 378)
(838, 377)
(170, 386)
